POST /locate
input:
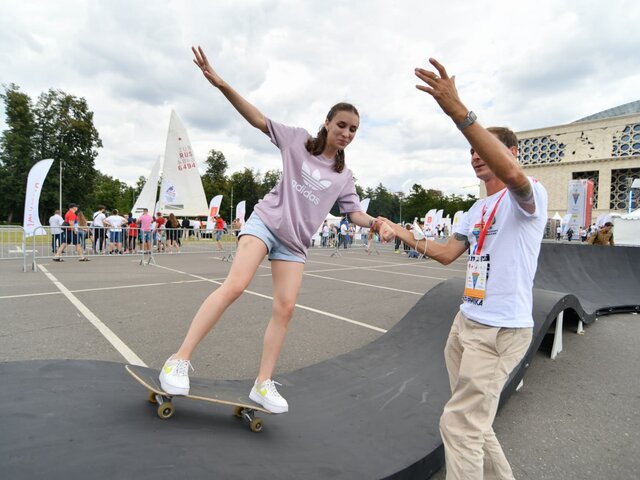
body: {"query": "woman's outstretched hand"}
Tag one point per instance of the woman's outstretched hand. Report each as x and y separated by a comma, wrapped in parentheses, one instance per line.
(207, 70)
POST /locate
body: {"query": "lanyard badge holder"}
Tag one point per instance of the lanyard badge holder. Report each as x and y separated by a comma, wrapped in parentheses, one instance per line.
(475, 288)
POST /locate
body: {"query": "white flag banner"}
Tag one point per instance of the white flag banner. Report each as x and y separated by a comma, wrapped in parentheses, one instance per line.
(241, 211)
(430, 219)
(35, 180)
(439, 215)
(457, 218)
(214, 209)
(364, 204)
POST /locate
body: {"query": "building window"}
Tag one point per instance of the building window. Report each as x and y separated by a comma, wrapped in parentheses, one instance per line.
(539, 151)
(594, 176)
(620, 184)
(627, 144)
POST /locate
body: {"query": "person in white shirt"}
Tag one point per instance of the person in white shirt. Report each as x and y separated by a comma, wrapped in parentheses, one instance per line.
(115, 223)
(492, 331)
(344, 234)
(99, 232)
(325, 234)
(55, 222)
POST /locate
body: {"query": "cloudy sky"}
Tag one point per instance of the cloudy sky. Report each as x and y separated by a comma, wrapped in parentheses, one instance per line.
(524, 64)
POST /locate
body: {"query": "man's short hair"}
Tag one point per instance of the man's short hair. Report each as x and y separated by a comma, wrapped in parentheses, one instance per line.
(608, 224)
(145, 209)
(505, 135)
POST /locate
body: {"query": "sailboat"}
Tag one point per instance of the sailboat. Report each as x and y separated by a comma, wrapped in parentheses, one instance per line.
(181, 191)
(147, 198)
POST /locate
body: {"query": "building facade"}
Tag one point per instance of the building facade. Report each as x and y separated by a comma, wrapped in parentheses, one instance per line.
(604, 148)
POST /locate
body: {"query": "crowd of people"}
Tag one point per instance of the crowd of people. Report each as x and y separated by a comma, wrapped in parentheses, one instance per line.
(113, 233)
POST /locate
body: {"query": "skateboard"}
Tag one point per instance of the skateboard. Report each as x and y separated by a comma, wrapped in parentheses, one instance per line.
(236, 397)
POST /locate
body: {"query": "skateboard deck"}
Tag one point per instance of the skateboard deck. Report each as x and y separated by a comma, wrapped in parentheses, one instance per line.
(236, 397)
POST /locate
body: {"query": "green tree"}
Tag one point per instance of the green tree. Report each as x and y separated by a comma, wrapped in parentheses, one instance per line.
(16, 152)
(420, 201)
(384, 203)
(246, 186)
(137, 190)
(110, 192)
(66, 133)
(269, 180)
(214, 180)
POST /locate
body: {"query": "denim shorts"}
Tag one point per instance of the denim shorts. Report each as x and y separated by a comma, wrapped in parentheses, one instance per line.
(115, 237)
(275, 249)
(146, 235)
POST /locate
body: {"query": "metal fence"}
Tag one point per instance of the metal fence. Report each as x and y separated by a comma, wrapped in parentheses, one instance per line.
(76, 243)
(92, 242)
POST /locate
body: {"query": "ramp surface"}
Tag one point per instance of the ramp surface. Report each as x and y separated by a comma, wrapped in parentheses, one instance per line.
(371, 413)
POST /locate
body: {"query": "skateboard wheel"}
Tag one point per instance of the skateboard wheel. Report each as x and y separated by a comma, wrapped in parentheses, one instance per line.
(237, 411)
(256, 425)
(152, 398)
(165, 411)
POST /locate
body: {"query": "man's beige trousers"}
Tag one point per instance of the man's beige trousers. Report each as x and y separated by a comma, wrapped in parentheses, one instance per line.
(479, 359)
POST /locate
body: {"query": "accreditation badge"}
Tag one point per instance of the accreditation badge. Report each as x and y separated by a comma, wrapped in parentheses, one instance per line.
(475, 287)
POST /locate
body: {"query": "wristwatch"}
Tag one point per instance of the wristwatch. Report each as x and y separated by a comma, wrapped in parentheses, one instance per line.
(468, 120)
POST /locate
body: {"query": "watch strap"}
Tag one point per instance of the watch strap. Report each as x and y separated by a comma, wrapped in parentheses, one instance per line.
(468, 120)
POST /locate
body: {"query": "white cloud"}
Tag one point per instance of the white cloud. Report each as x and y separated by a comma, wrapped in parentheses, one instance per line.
(524, 64)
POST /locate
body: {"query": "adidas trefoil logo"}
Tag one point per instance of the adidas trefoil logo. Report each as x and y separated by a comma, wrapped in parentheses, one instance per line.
(313, 183)
(312, 179)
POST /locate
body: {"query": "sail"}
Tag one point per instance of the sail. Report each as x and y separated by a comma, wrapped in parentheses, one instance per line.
(147, 198)
(181, 192)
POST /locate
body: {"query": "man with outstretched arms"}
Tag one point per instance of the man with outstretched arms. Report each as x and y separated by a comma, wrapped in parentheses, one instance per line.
(492, 331)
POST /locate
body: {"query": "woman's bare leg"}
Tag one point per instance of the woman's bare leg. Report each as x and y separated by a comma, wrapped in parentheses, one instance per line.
(287, 279)
(251, 252)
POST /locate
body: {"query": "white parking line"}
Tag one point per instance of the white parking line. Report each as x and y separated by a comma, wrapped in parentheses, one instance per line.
(363, 284)
(111, 337)
(302, 307)
(98, 289)
(23, 295)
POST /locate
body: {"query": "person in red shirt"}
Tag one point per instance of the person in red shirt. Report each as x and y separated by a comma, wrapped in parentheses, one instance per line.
(133, 234)
(70, 234)
(160, 222)
(219, 231)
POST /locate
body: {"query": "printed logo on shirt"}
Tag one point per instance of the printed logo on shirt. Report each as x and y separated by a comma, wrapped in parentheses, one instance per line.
(312, 182)
(312, 179)
(492, 228)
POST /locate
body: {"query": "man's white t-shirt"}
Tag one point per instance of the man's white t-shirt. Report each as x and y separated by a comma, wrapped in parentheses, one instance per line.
(513, 244)
(55, 222)
(98, 219)
(116, 222)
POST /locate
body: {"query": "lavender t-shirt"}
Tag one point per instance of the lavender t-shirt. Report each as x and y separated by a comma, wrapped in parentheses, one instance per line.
(296, 207)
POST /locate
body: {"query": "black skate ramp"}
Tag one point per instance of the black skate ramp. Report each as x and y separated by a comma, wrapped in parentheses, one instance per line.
(371, 413)
(604, 279)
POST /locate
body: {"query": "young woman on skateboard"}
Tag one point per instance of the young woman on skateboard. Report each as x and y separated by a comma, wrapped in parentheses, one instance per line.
(314, 177)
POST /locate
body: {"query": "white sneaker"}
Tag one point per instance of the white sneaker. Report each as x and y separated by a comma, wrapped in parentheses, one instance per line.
(174, 376)
(266, 395)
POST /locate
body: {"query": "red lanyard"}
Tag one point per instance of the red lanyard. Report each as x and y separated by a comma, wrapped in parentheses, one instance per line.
(485, 229)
